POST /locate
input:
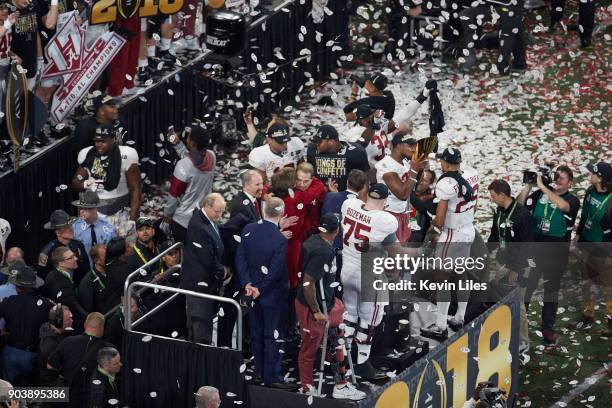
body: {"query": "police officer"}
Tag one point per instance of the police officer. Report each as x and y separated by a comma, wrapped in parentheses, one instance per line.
(89, 228)
(61, 223)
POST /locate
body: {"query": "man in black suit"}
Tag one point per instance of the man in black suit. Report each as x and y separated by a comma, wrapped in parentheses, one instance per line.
(203, 267)
(248, 201)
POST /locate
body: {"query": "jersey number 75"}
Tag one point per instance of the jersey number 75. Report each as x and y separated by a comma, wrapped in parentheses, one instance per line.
(355, 229)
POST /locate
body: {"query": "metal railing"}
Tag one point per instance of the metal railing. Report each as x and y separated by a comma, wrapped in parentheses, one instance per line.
(177, 291)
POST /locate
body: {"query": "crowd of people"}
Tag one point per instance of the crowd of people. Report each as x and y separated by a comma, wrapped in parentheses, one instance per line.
(289, 247)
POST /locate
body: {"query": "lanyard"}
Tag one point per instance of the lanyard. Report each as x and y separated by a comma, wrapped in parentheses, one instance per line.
(66, 274)
(111, 380)
(503, 236)
(546, 212)
(598, 208)
(93, 271)
(143, 259)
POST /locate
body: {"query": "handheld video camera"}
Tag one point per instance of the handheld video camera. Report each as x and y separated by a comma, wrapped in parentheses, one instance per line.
(530, 177)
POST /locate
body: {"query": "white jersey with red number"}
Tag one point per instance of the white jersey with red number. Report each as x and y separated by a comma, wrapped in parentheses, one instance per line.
(5, 48)
(264, 159)
(460, 212)
(390, 165)
(361, 227)
(377, 148)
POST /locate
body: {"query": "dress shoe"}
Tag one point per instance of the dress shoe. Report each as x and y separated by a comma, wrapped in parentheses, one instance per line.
(284, 386)
(434, 332)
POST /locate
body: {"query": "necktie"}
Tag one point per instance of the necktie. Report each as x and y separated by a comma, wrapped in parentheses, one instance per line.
(94, 239)
(258, 208)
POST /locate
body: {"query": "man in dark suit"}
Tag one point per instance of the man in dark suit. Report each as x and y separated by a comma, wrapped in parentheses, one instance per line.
(248, 201)
(203, 267)
(260, 261)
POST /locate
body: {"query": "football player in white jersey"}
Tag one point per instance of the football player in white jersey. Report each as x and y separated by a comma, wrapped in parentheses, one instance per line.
(398, 172)
(363, 224)
(457, 190)
(281, 150)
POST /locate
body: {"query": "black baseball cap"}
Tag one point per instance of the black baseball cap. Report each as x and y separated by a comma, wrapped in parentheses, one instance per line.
(280, 133)
(104, 131)
(379, 80)
(102, 100)
(378, 191)
(145, 221)
(602, 169)
(402, 137)
(329, 222)
(363, 111)
(450, 155)
(326, 132)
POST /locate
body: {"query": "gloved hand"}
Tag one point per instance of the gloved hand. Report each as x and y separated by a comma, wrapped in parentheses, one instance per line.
(90, 184)
(431, 84)
(165, 225)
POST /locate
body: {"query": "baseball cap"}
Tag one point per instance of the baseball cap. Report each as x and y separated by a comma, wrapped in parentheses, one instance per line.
(363, 111)
(326, 132)
(101, 100)
(329, 222)
(450, 155)
(602, 169)
(104, 131)
(378, 191)
(280, 133)
(379, 80)
(402, 137)
(142, 221)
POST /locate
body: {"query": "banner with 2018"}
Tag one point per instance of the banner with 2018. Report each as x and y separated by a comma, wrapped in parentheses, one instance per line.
(446, 377)
(107, 11)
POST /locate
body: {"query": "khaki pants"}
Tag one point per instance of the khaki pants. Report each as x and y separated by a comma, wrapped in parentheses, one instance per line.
(597, 271)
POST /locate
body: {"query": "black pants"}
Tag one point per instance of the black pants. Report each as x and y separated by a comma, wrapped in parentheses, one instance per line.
(551, 260)
(510, 44)
(178, 232)
(586, 16)
(226, 322)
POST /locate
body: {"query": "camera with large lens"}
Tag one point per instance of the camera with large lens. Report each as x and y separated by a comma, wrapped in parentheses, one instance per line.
(530, 177)
(491, 397)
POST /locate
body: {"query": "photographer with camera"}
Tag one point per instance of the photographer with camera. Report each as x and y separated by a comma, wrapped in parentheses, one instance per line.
(377, 98)
(554, 211)
(486, 396)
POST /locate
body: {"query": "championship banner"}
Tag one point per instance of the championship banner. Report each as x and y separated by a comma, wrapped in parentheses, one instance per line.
(485, 350)
(108, 11)
(78, 66)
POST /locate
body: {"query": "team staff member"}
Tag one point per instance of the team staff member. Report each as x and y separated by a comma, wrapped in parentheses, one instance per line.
(511, 234)
(554, 211)
(92, 289)
(318, 264)
(422, 200)
(77, 352)
(61, 285)
(144, 247)
(260, 261)
(332, 159)
(595, 229)
(62, 223)
(104, 387)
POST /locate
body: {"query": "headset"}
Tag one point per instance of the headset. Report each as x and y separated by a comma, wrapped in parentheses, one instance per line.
(58, 319)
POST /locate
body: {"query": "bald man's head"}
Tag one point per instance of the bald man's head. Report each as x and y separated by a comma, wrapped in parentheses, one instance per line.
(214, 206)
